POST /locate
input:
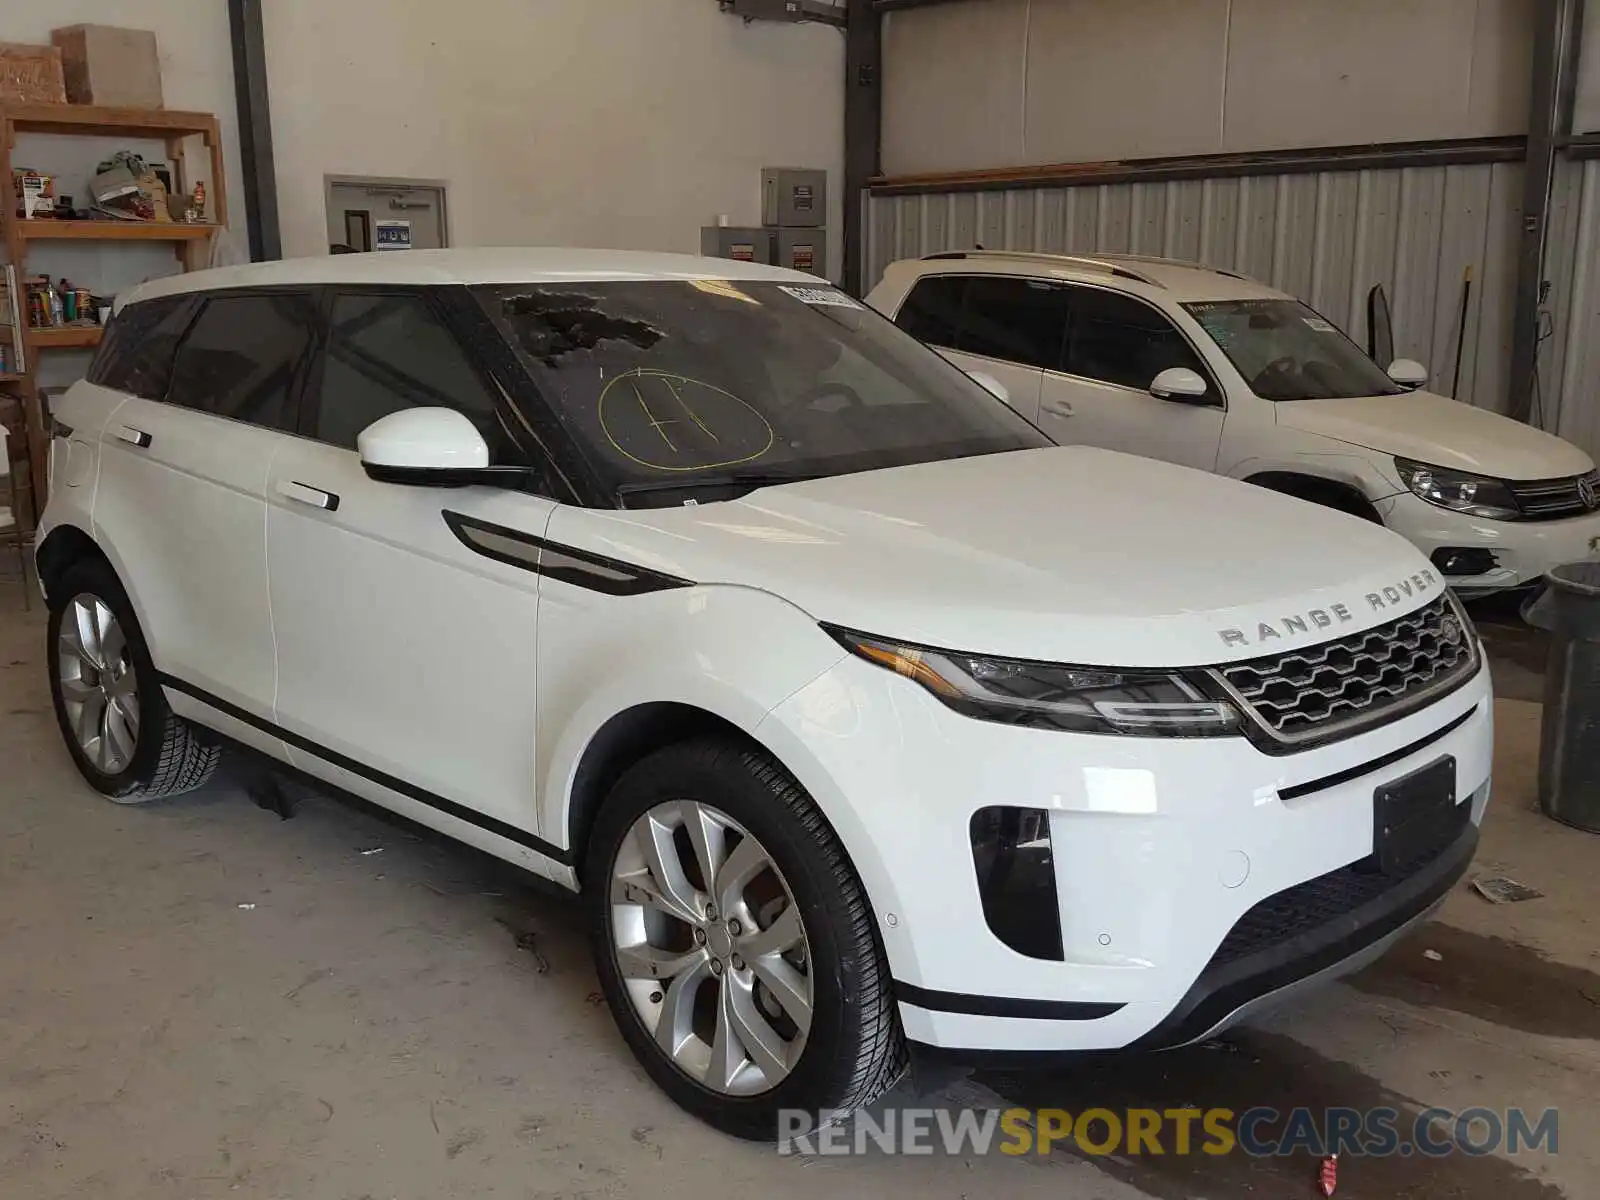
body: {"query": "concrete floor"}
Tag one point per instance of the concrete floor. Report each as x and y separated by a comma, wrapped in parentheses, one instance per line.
(200, 1000)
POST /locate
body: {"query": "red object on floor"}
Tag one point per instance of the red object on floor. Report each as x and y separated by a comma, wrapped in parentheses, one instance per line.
(1328, 1177)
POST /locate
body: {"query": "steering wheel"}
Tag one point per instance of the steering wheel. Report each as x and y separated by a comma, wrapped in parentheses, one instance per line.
(1287, 365)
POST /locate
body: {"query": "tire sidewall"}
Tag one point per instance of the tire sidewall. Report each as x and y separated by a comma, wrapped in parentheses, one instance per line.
(733, 787)
(96, 579)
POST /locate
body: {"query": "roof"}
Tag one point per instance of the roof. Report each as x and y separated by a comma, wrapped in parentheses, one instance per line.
(1170, 279)
(481, 265)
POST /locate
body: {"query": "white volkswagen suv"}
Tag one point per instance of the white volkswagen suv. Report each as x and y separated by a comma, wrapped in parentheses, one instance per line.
(1209, 369)
(862, 717)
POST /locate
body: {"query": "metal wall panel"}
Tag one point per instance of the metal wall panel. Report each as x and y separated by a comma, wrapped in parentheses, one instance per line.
(1326, 237)
(1567, 398)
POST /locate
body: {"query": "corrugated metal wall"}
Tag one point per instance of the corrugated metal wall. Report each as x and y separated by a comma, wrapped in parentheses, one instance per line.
(1567, 398)
(1325, 237)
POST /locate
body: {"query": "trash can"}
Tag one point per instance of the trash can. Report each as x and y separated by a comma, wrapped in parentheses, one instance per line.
(1569, 746)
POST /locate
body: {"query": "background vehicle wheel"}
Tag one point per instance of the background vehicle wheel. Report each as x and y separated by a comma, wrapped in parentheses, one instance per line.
(735, 944)
(122, 735)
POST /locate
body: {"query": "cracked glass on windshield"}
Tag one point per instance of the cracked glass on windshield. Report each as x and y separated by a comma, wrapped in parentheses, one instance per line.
(674, 384)
(1285, 351)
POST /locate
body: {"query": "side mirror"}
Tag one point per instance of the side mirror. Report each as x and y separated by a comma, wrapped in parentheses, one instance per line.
(1180, 384)
(428, 447)
(1408, 372)
(991, 385)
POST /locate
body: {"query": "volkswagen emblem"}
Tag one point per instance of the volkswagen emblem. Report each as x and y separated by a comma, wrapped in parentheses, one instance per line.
(1450, 631)
(1587, 492)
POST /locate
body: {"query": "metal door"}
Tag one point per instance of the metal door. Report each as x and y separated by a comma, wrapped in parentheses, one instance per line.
(380, 214)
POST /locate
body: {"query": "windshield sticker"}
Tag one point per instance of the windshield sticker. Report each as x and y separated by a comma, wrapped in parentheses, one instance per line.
(826, 297)
(1319, 324)
(670, 422)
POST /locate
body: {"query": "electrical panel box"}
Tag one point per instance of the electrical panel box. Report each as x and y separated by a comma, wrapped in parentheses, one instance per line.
(803, 250)
(779, 10)
(740, 243)
(794, 197)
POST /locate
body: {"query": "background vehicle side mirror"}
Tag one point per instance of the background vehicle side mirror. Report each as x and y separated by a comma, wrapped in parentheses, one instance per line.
(1180, 384)
(428, 447)
(991, 385)
(1408, 372)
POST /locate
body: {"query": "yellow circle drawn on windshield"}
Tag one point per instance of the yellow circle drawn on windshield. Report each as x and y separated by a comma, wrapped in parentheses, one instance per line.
(676, 412)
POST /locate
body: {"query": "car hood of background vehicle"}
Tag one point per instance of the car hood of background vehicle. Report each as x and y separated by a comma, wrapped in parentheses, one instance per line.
(1441, 432)
(1067, 554)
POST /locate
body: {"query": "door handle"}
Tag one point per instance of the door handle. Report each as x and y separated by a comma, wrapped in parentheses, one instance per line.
(134, 437)
(1058, 408)
(302, 493)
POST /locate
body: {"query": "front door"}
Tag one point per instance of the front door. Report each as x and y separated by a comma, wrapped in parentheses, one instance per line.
(385, 216)
(1116, 346)
(406, 657)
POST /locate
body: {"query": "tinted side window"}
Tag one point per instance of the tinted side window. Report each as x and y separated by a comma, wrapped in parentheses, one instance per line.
(1015, 319)
(932, 312)
(241, 357)
(135, 355)
(1118, 339)
(390, 352)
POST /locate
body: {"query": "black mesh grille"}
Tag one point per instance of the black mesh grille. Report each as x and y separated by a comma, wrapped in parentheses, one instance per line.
(1552, 499)
(1307, 906)
(1319, 689)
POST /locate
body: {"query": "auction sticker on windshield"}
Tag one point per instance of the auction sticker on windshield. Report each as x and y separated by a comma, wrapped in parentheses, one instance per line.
(827, 297)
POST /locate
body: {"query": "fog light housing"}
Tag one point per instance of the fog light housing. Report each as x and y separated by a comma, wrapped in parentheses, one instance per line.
(1017, 879)
(1464, 560)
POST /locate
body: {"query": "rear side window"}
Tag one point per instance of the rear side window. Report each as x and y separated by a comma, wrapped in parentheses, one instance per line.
(1014, 319)
(932, 312)
(136, 353)
(242, 356)
(391, 352)
(1117, 339)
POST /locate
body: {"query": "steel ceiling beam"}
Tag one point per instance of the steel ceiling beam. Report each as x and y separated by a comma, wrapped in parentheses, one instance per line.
(255, 129)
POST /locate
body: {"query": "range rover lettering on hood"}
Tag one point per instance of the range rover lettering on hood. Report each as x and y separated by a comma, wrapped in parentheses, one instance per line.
(1385, 598)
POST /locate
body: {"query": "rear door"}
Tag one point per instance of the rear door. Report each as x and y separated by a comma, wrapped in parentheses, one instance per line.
(183, 468)
(406, 617)
(1116, 345)
(1007, 326)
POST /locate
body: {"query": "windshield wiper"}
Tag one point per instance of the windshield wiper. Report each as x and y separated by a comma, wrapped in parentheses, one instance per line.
(746, 481)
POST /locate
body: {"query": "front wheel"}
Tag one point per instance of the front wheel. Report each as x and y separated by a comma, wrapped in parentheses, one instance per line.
(735, 944)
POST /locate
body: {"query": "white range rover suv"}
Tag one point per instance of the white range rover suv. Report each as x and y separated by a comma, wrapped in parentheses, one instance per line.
(863, 718)
(1211, 370)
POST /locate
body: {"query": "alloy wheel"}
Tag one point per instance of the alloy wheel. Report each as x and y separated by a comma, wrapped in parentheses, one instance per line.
(99, 687)
(710, 948)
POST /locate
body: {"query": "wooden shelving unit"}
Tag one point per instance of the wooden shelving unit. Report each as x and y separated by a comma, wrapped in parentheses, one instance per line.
(190, 243)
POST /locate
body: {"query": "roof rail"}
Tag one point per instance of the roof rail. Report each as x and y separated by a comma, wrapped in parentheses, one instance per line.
(1158, 260)
(1109, 265)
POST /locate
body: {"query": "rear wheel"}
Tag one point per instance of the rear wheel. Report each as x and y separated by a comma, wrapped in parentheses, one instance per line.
(115, 720)
(734, 942)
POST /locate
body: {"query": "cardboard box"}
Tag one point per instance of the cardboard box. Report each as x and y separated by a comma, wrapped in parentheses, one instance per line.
(31, 74)
(109, 66)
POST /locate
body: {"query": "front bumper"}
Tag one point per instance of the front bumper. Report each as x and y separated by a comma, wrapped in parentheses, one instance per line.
(1163, 850)
(1523, 550)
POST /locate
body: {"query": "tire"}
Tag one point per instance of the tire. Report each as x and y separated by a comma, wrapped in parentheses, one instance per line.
(853, 1049)
(145, 752)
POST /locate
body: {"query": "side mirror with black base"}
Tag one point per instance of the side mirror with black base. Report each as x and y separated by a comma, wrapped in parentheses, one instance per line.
(432, 447)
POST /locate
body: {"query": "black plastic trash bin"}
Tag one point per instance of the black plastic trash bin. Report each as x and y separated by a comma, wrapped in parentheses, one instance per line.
(1569, 748)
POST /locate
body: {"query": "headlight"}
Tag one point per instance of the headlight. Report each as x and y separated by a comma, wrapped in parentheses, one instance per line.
(1476, 495)
(1051, 696)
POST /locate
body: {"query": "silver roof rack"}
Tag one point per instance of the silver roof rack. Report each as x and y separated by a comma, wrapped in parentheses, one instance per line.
(1109, 264)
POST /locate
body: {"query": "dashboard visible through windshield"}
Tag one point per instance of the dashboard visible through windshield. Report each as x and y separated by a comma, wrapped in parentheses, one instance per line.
(684, 387)
(1285, 351)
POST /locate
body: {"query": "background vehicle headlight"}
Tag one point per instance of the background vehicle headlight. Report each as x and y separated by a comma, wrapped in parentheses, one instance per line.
(1052, 696)
(1458, 491)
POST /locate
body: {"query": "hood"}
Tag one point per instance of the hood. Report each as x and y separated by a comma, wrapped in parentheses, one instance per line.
(1441, 432)
(1067, 554)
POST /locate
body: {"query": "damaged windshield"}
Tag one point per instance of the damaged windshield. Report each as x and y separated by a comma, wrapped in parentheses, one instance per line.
(1285, 351)
(678, 387)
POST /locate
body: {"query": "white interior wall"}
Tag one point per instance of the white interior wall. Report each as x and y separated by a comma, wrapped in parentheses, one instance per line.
(628, 123)
(1001, 83)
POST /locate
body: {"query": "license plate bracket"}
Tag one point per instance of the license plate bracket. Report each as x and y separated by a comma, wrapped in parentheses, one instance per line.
(1413, 816)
